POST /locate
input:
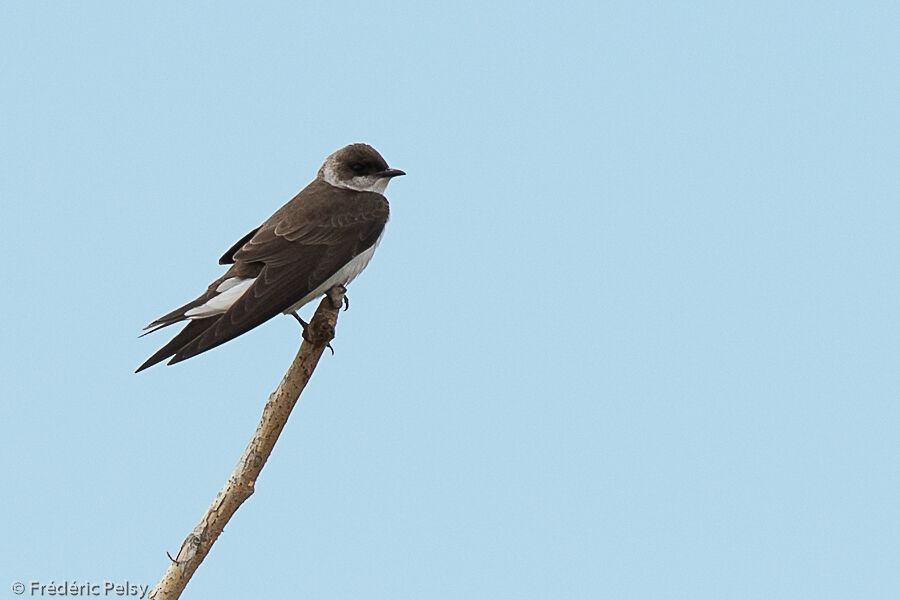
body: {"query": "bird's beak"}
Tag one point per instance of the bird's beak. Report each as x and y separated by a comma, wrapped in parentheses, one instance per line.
(390, 173)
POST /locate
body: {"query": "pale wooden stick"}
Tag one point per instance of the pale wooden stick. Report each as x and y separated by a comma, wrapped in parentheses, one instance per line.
(239, 486)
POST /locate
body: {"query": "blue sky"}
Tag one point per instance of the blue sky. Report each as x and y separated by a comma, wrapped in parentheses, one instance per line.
(631, 333)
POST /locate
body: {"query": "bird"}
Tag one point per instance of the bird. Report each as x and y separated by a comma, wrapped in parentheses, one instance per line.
(323, 237)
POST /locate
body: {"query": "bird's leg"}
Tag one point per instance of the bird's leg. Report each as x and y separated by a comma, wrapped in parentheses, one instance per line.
(303, 324)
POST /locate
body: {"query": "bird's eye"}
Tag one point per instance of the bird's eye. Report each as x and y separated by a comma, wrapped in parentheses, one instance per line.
(358, 168)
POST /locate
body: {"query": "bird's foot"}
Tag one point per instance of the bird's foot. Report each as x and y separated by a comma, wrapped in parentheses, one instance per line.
(338, 297)
(307, 333)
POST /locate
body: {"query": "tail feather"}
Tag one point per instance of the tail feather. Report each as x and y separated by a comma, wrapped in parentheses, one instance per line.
(193, 330)
(177, 315)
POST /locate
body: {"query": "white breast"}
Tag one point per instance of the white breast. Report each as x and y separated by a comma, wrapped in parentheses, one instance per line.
(344, 276)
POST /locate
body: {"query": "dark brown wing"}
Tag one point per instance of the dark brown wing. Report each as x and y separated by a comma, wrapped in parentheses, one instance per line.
(228, 257)
(303, 244)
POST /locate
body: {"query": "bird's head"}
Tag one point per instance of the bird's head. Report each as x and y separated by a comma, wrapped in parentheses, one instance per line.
(358, 167)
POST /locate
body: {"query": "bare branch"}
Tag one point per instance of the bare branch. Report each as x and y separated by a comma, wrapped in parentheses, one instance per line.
(240, 485)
